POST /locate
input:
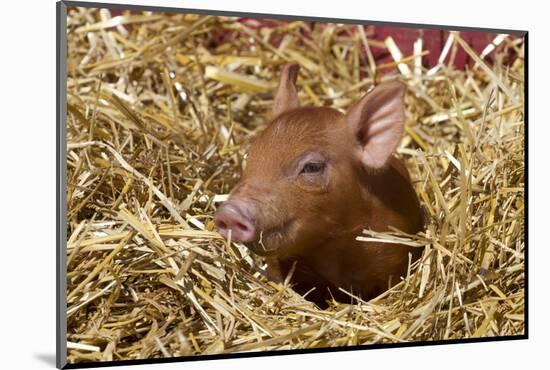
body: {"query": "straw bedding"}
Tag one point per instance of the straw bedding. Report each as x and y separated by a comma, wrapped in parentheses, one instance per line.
(160, 110)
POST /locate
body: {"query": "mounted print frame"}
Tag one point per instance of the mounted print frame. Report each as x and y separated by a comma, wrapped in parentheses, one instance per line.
(238, 184)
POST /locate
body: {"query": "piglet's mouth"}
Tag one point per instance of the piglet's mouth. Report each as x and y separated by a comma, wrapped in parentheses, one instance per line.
(236, 219)
(270, 240)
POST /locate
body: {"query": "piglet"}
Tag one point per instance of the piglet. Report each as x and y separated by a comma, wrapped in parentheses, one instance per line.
(314, 179)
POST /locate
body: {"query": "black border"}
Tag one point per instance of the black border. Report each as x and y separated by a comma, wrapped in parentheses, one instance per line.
(526, 179)
(286, 352)
(61, 186)
(151, 8)
(61, 73)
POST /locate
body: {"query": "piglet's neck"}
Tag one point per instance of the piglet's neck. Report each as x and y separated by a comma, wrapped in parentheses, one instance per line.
(391, 200)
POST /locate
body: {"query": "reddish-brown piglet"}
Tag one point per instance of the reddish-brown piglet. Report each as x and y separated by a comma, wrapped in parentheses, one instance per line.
(314, 179)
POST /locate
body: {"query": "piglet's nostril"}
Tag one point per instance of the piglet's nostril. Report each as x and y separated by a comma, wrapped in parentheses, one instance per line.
(234, 216)
(242, 226)
(220, 224)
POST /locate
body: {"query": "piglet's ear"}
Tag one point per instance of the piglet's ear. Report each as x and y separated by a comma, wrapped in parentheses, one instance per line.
(377, 121)
(286, 97)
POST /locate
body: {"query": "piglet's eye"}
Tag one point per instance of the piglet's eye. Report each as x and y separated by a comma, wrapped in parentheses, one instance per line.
(313, 167)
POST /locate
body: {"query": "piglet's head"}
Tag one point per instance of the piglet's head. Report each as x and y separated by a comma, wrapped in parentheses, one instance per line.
(307, 173)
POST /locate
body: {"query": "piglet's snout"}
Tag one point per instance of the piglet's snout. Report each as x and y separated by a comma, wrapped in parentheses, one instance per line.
(235, 215)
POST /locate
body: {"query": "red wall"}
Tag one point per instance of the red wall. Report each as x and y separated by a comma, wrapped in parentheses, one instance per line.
(433, 40)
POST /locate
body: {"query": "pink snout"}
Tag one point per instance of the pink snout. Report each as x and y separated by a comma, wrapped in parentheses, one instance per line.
(235, 215)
